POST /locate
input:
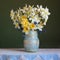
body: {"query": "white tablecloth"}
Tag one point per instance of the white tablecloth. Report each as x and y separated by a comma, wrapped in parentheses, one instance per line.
(20, 54)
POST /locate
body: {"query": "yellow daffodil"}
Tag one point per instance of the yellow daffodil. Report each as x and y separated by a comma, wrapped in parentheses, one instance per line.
(24, 25)
(26, 29)
(24, 21)
(32, 26)
(23, 17)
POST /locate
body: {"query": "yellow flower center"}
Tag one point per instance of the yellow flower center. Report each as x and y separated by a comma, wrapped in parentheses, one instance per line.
(25, 29)
(32, 26)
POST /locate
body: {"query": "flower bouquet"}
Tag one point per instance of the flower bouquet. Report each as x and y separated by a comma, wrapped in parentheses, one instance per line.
(30, 18)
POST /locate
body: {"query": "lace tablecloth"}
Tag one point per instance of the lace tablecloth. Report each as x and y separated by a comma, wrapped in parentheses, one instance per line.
(20, 54)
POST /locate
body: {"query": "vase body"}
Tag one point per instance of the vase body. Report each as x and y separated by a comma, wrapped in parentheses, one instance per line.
(31, 41)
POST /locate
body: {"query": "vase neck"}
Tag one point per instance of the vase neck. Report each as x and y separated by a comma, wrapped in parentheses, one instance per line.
(32, 33)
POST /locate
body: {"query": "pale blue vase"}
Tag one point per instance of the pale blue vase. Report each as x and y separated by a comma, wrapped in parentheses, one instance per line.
(31, 41)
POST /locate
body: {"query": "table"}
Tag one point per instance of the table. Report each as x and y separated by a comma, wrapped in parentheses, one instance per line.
(20, 54)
